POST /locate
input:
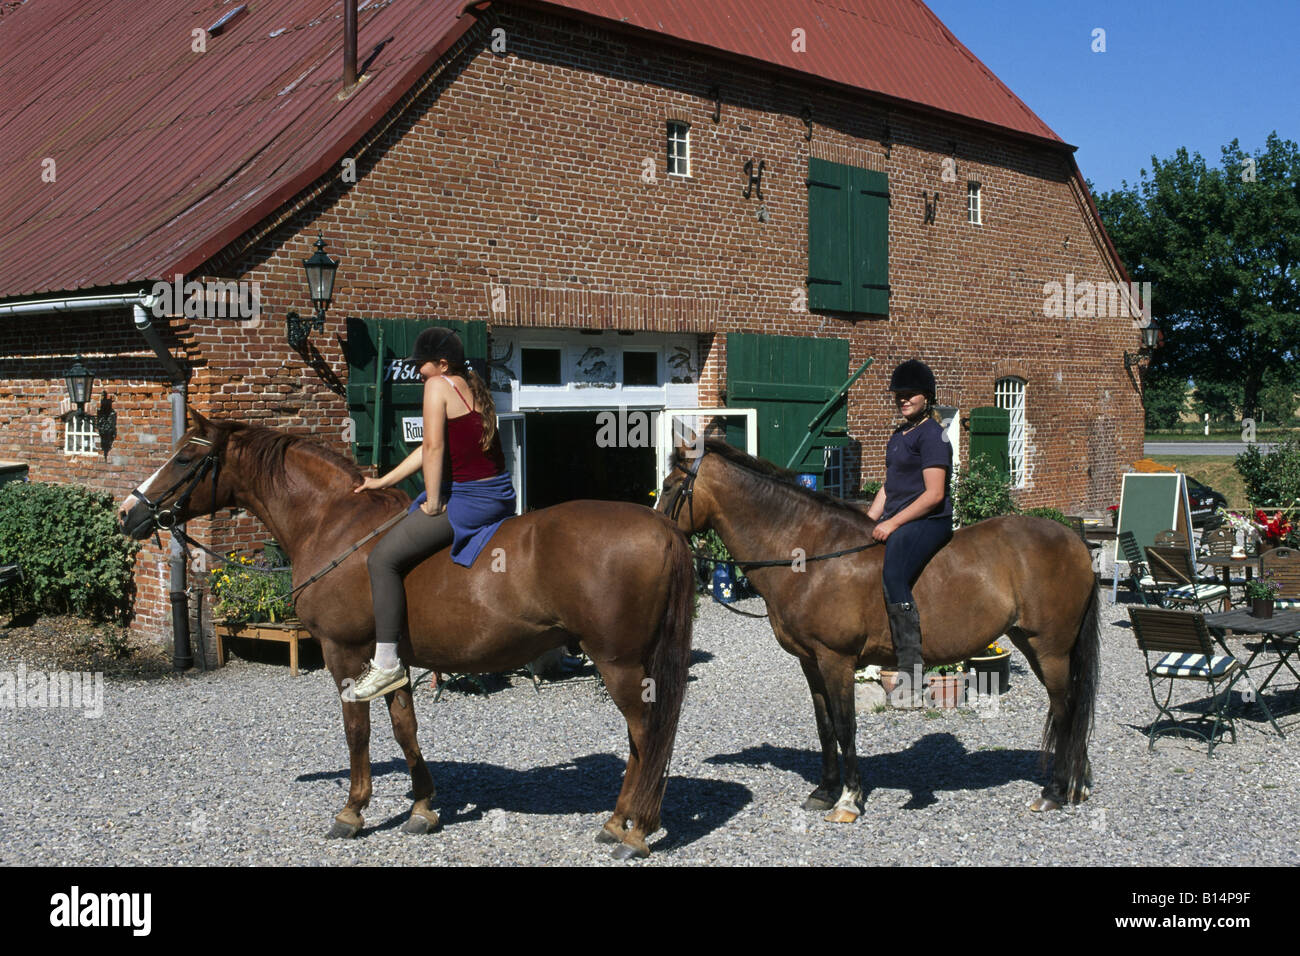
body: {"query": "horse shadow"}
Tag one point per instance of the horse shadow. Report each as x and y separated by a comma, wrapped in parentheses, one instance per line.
(468, 792)
(936, 763)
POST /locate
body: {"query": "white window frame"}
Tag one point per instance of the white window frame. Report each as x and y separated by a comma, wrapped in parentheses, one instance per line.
(833, 475)
(1009, 393)
(973, 204)
(679, 158)
(79, 435)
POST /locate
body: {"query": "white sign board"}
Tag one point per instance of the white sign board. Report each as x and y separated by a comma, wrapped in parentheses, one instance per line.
(413, 430)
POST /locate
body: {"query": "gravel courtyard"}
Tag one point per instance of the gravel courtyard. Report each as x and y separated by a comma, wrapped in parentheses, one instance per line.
(246, 765)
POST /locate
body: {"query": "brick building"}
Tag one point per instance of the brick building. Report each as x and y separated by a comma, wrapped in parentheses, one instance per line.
(612, 194)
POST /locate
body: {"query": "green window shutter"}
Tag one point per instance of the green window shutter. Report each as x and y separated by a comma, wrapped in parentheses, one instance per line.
(870, 242)
(830, 273)
(989, 432)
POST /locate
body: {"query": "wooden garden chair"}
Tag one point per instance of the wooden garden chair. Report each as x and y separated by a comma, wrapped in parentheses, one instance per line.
(1221, 542)
(1139, 578)
(1183, 650)
(1171, 567)
(1283, 566)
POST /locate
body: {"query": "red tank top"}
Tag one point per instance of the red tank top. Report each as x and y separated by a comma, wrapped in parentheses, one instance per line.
(469, 462)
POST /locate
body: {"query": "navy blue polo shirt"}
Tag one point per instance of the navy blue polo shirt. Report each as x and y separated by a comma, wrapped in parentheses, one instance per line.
(906, 457)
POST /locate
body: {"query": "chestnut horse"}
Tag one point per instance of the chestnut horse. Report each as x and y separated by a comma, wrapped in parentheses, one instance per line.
(1029, 578)
(614, 576)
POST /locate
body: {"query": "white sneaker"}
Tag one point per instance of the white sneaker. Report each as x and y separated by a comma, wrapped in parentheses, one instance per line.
(375, 682)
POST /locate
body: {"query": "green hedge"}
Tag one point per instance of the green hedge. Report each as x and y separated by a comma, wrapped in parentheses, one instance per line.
(73, 557)
(1271, 479)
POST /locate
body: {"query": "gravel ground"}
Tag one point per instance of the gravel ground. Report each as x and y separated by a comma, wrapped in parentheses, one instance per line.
(246, 765)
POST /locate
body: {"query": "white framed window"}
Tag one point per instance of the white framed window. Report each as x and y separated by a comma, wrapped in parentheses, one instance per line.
(679, 148)
(973, 203)
(833, 476)
(79, 435)
(1010, 394)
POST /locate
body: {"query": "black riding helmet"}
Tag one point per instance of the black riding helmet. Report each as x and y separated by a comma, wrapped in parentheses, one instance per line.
(913, 376)
(438, 343)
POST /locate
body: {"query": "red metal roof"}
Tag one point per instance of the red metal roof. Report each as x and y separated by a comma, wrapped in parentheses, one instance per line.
(163, 156)
(893, 48)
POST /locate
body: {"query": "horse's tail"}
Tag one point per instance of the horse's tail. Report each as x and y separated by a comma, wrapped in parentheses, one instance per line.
(668, 669)
(1068, 739)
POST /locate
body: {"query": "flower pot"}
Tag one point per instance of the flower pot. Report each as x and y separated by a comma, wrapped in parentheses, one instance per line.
(724, 585)
(945, 691)
(1261, 607)
(992, 673)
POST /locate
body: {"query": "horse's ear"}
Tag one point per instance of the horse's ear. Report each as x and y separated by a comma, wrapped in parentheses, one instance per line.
(197, 420)
(685, 442)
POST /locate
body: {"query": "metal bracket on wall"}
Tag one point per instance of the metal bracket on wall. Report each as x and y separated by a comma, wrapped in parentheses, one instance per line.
(930, 207)
(806, 115)
(755, 181)
(715, 94)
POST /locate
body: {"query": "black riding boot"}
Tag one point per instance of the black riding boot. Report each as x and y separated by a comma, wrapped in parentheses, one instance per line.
(905, 628)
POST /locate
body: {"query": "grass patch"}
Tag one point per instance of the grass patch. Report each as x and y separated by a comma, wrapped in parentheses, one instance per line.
(1217, 471)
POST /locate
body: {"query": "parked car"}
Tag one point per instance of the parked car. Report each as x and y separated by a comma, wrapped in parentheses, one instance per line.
(1204, 500)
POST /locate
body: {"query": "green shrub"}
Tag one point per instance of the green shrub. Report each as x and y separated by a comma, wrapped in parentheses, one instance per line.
(982, 492)
(1051, 513)
(1273, 478)
(73, 557)
(871, 488)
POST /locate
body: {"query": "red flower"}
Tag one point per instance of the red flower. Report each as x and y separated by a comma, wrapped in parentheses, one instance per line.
(1273, 529)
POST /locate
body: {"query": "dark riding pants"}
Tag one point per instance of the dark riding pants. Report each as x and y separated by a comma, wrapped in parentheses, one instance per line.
(411, 540)
(908, 550)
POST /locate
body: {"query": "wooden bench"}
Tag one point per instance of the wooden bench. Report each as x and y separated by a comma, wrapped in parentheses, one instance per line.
(289, 634)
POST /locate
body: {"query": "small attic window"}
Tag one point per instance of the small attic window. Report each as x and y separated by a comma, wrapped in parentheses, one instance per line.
(225, 20)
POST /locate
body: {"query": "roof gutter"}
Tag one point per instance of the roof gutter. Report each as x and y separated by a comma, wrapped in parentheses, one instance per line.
(141, 304)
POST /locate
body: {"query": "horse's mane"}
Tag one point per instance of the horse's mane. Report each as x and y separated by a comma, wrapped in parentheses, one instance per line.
(266, 449)
(768, 474)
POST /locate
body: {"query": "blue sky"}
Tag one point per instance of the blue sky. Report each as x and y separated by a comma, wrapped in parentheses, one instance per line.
(1175, 73)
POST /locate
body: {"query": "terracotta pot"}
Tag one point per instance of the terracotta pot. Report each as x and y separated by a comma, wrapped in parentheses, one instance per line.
(1261, 607)
(945, 691)
(888, 680)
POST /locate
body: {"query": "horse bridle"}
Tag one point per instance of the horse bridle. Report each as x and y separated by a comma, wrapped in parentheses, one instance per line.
(166, 518)
(686, 493)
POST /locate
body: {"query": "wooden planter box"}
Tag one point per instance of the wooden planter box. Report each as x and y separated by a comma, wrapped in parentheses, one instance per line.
(289, 633)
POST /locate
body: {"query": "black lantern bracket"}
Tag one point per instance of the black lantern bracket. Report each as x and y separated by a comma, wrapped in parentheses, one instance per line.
(1136, 360)
(755, 179)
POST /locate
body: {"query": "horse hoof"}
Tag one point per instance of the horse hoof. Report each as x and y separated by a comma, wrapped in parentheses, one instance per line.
(420, 824)
(841, 815)
(815, 802)
(607, 835)
(630, 851)
(343, 831)
(1044, 803)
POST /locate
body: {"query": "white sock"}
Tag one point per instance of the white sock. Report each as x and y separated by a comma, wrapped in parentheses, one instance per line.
(386, 655)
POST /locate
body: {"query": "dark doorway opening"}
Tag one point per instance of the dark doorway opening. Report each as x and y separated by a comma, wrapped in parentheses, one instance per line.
(565, 462)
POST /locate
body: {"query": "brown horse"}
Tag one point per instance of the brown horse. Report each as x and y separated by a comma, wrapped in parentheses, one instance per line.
(533, 588)
(1029, 578)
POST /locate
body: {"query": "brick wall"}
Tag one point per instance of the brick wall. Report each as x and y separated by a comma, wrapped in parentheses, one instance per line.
(525, 171)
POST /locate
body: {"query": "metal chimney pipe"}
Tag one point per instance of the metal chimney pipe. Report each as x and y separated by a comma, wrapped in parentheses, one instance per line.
(349, 44)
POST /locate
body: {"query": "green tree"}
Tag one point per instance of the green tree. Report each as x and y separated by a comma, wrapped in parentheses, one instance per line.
(1277, 400)
(1220, 247)
(1165, 398)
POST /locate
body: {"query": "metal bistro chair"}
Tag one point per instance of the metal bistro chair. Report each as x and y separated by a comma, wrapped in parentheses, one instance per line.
(1171, 566)
(1139, 578)
(1282, 565)
(10, 576)
(1185, 651)
(1221, 542)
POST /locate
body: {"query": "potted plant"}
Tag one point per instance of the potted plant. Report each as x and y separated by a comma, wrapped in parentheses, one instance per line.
(992, 668)
(1261, 594)
(1274, 531)
(945, 686)
(251, 601)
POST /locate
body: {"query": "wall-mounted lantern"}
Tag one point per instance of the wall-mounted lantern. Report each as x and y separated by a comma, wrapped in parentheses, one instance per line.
(320, 270)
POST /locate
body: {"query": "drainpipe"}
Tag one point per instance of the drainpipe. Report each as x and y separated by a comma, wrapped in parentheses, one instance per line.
(182, 658)
(141, 303)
